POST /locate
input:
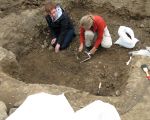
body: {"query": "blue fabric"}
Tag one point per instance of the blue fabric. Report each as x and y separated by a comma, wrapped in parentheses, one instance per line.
(68, 39)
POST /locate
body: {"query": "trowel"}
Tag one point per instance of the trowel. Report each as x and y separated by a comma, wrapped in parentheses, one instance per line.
(128, 62)
(145, 69)
(99, 87)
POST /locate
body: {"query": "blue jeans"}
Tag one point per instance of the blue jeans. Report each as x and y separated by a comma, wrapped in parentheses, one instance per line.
(67, 39)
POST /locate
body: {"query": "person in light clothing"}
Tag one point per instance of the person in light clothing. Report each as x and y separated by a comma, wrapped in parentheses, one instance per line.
(93, 33)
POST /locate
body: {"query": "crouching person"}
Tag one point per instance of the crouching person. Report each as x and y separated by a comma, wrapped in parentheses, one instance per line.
(60, 25)
(93, 33)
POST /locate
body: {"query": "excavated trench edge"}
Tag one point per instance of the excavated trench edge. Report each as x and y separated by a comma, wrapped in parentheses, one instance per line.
(130, 94)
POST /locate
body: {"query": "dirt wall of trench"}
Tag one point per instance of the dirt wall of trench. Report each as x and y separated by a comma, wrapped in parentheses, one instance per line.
(16, 25)
(124, 7)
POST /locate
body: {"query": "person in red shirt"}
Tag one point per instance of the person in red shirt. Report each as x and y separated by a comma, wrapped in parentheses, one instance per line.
(93, 33)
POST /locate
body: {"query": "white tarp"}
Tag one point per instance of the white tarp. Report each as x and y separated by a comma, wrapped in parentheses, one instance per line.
(126, 37)
(43, 106)
(97, 110)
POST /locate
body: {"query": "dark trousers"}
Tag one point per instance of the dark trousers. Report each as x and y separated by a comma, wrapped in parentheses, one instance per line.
(67, 39)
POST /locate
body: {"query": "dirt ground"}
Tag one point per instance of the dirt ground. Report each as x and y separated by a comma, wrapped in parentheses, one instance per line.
(108, 66)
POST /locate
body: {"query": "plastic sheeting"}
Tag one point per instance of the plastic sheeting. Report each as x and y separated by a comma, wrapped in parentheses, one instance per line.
(126, 37)
(43, 106)
(142, 52)
(97, 110)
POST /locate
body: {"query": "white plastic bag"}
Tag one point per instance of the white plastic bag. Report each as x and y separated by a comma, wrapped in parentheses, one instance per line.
(143, 52)
(126, 38)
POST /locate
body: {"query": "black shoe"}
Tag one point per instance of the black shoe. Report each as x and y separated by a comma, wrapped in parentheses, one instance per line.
(88, 49)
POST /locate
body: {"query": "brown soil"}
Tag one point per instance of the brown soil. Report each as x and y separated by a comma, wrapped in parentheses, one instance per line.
(107, 66)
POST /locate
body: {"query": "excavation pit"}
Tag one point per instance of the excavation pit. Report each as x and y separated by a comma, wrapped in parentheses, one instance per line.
(23, 32)
(108, 66)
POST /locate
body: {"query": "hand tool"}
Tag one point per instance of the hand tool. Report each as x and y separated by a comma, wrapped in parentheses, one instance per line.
(99, 87)
(127, 63)
(145, 69)
(88, 58)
